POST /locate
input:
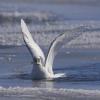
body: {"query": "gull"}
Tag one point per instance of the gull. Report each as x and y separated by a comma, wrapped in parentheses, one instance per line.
(43, 66)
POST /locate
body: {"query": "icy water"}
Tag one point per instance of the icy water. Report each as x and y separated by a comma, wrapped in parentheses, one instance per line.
(79, 60)
(82, 68)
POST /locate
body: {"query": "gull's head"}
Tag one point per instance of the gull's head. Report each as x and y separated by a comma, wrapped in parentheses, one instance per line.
(37, 60)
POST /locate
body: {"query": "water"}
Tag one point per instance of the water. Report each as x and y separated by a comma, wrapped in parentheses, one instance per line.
(81, 68)
(79, 60)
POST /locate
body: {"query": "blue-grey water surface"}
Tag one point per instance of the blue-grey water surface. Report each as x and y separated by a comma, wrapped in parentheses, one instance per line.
(81, 65)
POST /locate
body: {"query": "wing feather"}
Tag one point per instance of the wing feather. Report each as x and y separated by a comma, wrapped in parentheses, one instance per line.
(31, 44)
(59, 42)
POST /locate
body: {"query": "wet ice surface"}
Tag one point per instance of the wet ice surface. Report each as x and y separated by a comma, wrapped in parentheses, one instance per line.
(46, 94)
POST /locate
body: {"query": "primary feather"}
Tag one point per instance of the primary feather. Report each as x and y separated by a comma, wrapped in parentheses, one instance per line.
(32, 45)
(59, 42)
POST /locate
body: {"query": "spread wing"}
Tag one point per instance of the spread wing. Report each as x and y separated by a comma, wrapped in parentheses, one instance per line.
(30, 43)
(59, 42)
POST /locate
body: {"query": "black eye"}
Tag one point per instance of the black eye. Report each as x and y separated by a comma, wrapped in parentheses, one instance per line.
(38, 60)
(35, 59)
